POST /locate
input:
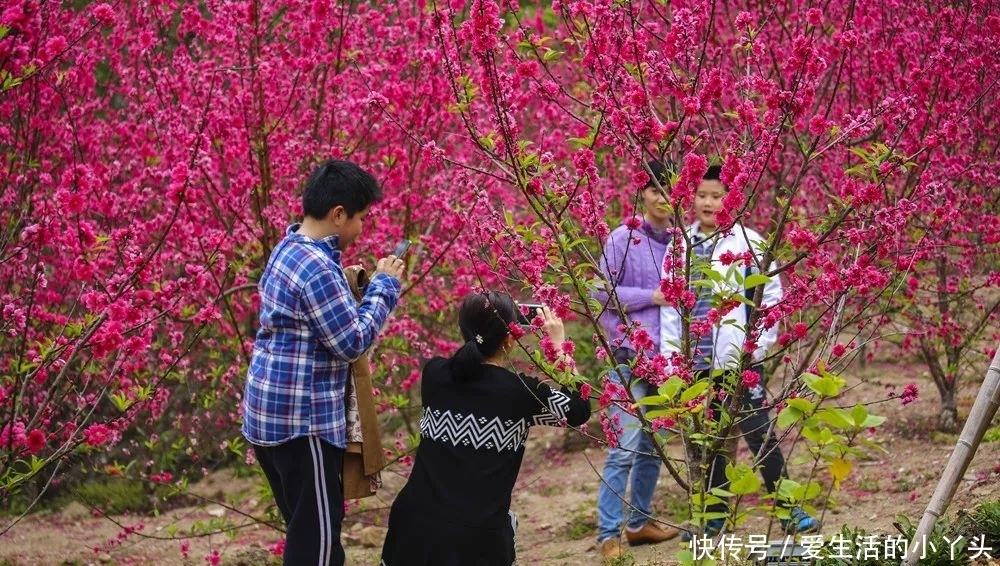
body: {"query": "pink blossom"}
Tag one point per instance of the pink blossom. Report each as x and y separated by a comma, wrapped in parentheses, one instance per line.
(161, 477)
(750, 379)
(34, 441)
(744, 20)
(612, 429)
(800, 329)
(814, 16)
(97, 435)
(278, 548)
(662, 423)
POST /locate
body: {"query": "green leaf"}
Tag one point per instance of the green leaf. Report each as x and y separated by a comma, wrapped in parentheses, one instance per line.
(742, 479)
(696, 390)
(835, 417)
(804, 406)
(551, 55)
(873, 421)
(487, 142)
(859, 414)
(712, 274)
(673, 412)
(685, 557)
(721, 493)
(652, 400)
(788, 416)
(120, 401)
(671, 387)
(827, 386)
(810, 491)
(741, 298)
(755, 279)
(862, 153)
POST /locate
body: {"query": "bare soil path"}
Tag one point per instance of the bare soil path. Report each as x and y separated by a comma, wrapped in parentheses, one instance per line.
(555, 500)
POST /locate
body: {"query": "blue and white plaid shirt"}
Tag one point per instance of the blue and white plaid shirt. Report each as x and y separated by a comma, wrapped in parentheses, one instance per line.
(311, 329)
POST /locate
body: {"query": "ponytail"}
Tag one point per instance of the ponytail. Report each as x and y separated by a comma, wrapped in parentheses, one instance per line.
(465, 361)
(483, 320)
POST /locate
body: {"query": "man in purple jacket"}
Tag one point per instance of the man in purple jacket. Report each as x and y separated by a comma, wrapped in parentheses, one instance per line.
(633, 254)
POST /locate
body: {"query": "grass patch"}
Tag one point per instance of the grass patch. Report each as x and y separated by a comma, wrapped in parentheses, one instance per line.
(582, 523)
(114, 496)
(992, 434)
(623, 560)
(675, 506)
(983, 521)
(844, 549)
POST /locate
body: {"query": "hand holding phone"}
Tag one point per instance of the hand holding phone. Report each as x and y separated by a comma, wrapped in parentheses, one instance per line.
(393, 265)
(526, 312)
(401, 248)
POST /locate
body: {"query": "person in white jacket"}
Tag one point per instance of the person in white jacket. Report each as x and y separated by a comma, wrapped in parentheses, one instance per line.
(718, 336)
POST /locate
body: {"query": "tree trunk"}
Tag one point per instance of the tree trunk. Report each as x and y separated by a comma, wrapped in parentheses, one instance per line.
(948, 419)
(948, 415)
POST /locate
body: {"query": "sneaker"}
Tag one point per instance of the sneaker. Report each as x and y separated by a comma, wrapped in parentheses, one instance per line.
(799, 523)
(650, 533)
(611, 549)
(712, 528)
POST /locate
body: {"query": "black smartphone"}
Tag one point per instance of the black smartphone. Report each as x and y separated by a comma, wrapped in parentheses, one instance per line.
(401, 248)
(526, 312)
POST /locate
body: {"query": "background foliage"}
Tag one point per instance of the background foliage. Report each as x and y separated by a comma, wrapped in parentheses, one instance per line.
(153, 152)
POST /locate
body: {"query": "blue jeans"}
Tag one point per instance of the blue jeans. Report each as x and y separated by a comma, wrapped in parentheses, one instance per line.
(634, 455)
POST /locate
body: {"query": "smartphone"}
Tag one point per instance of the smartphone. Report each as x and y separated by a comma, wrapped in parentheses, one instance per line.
(401, 248)
(526, 312)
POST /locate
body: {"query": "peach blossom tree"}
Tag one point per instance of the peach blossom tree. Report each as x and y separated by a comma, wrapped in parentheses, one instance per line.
(154, 152)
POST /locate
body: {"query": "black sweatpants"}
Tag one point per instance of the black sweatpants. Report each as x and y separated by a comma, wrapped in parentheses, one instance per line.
(755, 426)
(304, 475)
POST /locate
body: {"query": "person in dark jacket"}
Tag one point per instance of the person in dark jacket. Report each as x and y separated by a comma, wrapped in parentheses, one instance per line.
(455, 507)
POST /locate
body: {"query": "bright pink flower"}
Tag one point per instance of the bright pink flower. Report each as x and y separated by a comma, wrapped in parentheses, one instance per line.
(161, 477)
(612, 429)
(662, 423)
(800, 330)
(278, 548)
(814, 16)
(97, 434)
(34, 441)
(750, 379)
(104, 14)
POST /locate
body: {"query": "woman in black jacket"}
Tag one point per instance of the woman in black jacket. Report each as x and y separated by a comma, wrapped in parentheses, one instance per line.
(455, 508)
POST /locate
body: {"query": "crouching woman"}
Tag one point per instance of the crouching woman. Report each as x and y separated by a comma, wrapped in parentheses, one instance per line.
(455, 508)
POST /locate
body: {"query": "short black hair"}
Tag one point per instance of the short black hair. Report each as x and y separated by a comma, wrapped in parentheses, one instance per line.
(339, 183)
(712, 173)
(661, 172)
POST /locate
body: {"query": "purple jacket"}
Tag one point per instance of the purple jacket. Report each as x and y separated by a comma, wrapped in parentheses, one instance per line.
(631, 262)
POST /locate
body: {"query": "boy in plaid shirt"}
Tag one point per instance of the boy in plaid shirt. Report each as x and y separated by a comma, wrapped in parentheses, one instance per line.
(311, 329)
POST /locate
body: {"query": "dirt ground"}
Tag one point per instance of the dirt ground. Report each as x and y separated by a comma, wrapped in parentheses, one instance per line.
(555, 500)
